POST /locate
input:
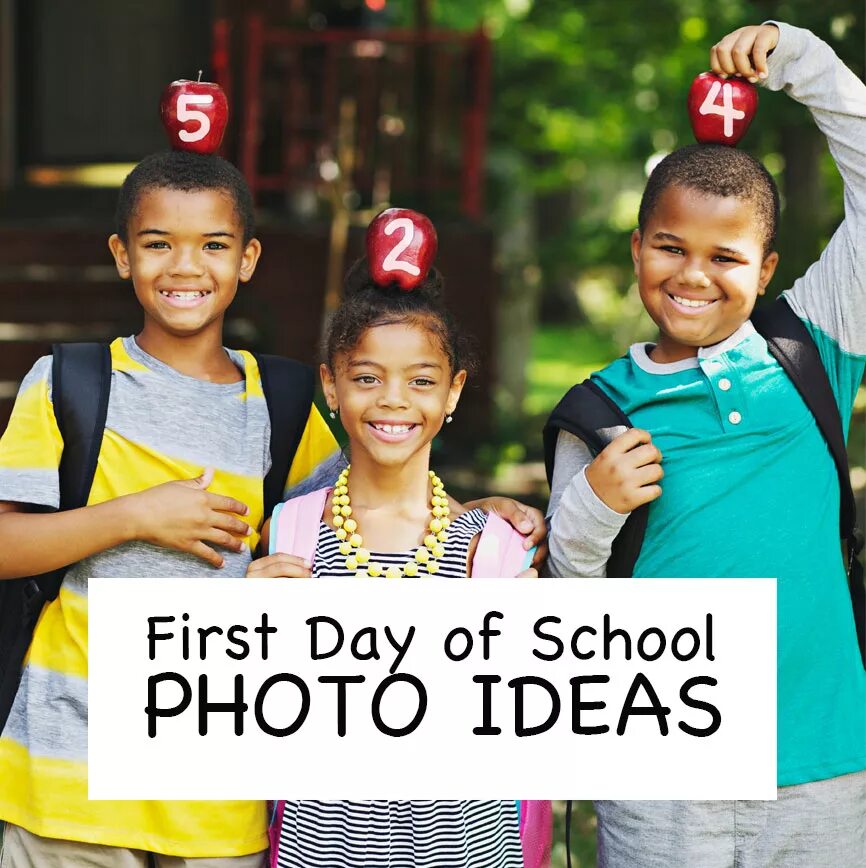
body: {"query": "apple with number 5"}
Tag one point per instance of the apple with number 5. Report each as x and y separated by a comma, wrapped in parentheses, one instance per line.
(721, 109)
(194, 114)
(401, 247)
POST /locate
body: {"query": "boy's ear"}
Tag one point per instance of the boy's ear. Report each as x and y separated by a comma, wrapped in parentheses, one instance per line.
(635, 248)
(768, 268)
(457, 384)
(252, 252)
(329, 387)
(120, 254)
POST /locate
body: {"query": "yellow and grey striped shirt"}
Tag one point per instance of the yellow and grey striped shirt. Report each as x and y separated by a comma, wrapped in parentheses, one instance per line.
(161, 426)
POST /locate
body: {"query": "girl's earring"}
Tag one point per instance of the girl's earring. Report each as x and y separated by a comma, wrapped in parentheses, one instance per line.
(334, 413)
(449, 419)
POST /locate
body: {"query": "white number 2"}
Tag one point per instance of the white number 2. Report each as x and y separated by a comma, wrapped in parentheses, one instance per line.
(726, 110)
(392, 263)
(184, 114)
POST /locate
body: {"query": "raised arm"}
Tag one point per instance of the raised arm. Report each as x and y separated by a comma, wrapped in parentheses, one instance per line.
(832, 293)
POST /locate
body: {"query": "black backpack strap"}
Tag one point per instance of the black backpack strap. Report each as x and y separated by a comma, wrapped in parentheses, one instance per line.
(590, 414)
(81, 385)
(80, 388)
(790, 343)
(288, 389)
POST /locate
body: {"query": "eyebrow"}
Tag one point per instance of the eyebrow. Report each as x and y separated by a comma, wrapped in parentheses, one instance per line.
(364, 363)
(668, 236)
(220, 233)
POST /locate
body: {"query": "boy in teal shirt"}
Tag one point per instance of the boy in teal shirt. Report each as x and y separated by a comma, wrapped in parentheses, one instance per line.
(749, 486)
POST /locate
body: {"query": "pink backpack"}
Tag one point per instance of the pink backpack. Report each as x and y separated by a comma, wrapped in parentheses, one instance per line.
(295, 530)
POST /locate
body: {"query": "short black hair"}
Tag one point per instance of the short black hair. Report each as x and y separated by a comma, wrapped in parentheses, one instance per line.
(366, 305)
(189, 172)
(717, 170)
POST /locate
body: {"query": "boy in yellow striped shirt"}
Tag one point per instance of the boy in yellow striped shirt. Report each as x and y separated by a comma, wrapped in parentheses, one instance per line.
(177, 492)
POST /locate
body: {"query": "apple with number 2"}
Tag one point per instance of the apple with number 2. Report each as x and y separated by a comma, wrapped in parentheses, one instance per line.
(194, 114)
(721, 109)
(401, 247)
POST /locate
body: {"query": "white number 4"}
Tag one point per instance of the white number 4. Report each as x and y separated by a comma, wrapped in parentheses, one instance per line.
(392, 263)
(184, 114)
(726, 109)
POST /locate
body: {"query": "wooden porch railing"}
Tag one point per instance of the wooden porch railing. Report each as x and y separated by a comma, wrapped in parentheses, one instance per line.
(421, 106)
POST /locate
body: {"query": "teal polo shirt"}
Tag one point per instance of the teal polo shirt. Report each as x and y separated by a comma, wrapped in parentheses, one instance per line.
(750, 489)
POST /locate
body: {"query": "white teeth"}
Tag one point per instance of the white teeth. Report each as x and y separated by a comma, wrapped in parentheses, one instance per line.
(196, 293)
(691, 302)
(393, 429)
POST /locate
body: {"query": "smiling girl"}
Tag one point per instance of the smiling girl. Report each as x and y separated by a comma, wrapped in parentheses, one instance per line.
(395, 368)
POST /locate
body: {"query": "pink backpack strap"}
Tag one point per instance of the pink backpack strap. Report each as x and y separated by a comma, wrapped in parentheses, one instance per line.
(275, 810)
(500, 553)
(536, 832)
(295, 525)
(295, 531)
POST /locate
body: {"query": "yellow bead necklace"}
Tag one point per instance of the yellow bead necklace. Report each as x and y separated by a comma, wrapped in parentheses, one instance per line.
(352, 543)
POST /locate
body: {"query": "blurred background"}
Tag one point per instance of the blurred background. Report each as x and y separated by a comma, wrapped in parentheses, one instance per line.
(524, 129)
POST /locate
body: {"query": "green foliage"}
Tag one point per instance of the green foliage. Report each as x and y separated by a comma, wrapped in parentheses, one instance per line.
(561, 357)
(585, 94)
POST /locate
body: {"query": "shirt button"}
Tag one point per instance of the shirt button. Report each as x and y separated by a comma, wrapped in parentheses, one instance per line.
(734, 417)
(724, 384)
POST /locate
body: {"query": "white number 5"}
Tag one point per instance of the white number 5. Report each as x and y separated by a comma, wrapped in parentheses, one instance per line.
(710, 107)
(184, 114)
(392, 263)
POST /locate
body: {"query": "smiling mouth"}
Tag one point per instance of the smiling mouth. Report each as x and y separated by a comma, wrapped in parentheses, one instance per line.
(184, 298)
(693, 304)
(184, 295)
(392, 431)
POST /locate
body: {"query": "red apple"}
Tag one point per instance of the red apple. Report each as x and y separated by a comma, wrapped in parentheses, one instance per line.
(721, 109)
(194, 114)
(401, 247)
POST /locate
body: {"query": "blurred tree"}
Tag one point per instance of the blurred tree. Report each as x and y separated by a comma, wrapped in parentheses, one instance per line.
(585, 95)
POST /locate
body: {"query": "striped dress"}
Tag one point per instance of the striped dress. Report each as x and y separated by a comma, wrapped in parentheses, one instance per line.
(400, 833)
(329, 562)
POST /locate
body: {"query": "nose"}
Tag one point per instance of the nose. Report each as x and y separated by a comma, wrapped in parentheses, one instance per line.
(186, 262)
(694, 277)
(394, 395)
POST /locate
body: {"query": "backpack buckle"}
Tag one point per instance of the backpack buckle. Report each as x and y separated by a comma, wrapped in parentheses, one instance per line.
(33, 598)
(855, 544)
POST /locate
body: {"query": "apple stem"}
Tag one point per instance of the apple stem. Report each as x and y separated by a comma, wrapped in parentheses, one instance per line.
(199, 75)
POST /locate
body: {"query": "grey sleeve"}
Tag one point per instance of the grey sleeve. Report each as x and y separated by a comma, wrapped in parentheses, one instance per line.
(832, 293)
(582, 526)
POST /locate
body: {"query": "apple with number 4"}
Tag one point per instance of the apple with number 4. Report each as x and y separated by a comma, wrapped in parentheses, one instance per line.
(194, 114)
(401, 247)
(721, 109)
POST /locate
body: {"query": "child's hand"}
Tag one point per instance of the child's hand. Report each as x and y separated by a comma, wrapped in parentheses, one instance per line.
(183, 515)
(624, 474)
(279, 566)
(525, 519)
(744, 52)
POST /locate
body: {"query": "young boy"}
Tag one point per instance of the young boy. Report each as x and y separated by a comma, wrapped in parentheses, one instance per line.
(750, 488)
(177, 492)
(179, 403)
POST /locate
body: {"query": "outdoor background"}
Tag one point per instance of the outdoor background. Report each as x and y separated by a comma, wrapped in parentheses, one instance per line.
(584, 97)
